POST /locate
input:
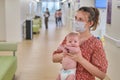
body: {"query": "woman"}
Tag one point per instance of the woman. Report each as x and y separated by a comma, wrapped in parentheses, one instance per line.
(91, 59)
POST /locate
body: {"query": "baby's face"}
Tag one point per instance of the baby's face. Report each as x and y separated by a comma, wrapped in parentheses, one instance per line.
(72, 41)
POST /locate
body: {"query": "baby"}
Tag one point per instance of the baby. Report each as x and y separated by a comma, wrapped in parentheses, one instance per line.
(68, 65)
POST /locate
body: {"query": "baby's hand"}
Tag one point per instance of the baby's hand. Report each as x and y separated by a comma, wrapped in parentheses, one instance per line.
(63, 49)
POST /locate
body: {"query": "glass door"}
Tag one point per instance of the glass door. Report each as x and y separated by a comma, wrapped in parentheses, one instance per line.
(51, 5)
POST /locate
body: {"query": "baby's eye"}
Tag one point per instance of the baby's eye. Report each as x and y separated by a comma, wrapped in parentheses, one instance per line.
(75, 41)
(70, 41)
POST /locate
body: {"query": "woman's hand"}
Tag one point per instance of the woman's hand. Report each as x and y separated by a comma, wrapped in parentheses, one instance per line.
(106, 78)
(74, 53)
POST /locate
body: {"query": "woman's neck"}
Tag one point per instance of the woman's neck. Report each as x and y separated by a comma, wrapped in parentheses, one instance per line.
(84, 36)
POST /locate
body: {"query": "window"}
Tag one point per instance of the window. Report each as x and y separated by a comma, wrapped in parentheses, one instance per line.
(100, 3)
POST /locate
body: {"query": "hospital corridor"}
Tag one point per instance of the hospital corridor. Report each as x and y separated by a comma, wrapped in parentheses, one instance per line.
(34, 54)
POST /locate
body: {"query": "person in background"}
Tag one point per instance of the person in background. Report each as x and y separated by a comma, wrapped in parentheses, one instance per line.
(56, 17)
(60, 17)
(46, 17)
(68, 65)
(90, 56)
(69, 3)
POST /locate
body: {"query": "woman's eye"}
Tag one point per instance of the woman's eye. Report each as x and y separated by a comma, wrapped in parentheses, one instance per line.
(80, 19)
(75, 18)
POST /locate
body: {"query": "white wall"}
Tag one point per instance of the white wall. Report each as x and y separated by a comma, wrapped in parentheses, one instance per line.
(23, 10)
(113, 29)
(86, 3)
(12, 16)
(100, 31)
(2, 21)
(27, 9)
(10, 29)
(81, 3)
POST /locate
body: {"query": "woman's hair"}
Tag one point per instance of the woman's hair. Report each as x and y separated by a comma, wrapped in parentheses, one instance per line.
(72, 34)
(93, 15)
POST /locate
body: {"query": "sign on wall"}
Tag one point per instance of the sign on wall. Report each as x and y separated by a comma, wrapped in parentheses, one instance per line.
(109, 11)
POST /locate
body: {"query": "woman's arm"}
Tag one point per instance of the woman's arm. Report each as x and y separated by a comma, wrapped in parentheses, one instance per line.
(77, 56)
(88, 66)
(106, 78)
(92, 69)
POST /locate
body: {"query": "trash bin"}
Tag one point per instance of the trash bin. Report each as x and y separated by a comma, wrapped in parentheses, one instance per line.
(29, 34)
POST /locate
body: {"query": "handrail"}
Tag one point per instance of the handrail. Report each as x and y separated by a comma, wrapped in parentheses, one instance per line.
(117, 42)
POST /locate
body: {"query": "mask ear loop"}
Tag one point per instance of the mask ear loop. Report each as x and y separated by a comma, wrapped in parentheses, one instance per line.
(73, 24)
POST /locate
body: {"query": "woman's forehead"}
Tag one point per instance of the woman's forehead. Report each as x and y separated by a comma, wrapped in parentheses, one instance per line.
(81, 14)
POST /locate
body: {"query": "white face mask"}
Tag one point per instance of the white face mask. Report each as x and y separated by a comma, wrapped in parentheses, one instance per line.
(79, 26)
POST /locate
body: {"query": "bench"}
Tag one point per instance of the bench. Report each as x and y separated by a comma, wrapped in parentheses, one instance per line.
(8, 46)
(37, 22)
(8, 64)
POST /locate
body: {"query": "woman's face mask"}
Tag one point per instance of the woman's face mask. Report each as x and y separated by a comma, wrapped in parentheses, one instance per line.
(79, 26)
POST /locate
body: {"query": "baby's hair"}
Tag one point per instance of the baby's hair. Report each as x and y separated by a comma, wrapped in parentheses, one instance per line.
(73, 34)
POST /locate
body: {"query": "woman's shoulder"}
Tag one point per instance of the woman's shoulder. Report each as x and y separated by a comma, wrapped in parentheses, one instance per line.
(96, 42)
(92, 44)
(93, 41)
(94, 38)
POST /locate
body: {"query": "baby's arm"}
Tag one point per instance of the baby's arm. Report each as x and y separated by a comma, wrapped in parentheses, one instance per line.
(58, 78)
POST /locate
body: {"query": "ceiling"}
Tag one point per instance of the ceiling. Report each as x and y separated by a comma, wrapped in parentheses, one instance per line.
(50, 0)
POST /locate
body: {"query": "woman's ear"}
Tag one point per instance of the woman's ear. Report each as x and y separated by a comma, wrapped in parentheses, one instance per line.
(90, 23)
